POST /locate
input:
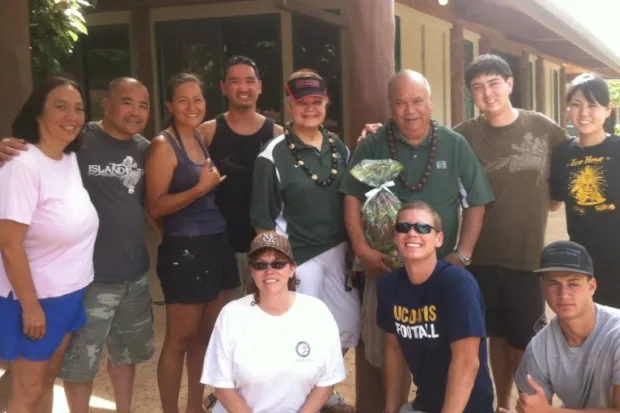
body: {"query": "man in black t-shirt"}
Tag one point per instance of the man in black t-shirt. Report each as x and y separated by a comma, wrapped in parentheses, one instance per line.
(433, 314)
(235, 139)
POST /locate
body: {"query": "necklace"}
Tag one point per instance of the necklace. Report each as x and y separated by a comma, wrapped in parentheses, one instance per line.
(431, 157)
(331, 138)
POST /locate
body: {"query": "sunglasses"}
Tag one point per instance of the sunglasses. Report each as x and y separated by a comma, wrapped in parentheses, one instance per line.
(263, 265)
(419, 227)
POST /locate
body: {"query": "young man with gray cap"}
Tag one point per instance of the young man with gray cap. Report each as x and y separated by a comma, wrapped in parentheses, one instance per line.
(576, 356)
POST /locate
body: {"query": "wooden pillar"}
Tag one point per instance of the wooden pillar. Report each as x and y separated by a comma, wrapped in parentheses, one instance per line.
(141, 59)
(16, 69)
(540, 85)
(562, 98)
(484, 45)
(371, 29)
(525, 81)
(457, 66)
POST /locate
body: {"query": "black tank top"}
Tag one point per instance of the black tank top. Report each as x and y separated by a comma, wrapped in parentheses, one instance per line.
(234, 155)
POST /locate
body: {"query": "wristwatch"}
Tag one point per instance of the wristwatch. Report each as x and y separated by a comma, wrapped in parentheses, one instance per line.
(464, 259)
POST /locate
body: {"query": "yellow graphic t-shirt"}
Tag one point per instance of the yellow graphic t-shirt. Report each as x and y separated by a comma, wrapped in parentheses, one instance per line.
(587, 180)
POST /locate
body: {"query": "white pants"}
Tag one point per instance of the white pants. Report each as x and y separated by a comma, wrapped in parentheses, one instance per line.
(324, 277)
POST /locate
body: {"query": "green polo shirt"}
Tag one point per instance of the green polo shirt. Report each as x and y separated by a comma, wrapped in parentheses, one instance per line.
(456, 178)
(285, 198)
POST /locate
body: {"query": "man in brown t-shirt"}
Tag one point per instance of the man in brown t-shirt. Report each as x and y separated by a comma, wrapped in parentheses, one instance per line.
(514, 146)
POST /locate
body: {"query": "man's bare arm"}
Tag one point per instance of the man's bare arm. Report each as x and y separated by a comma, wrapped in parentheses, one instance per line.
(555, 205)
(470, 228)
(207, 131)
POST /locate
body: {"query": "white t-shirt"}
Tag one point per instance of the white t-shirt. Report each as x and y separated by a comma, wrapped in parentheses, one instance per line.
(48, 195)
(274, 361)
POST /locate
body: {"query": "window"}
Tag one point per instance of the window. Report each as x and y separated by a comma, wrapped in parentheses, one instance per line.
(203, 47)
(556, 96)
(470, 110)
(98, 58)
(316, 45)
(397, 46)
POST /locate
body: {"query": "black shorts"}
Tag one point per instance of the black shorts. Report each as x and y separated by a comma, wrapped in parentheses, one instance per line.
(194, 269)
(514, 303)
(607, 275)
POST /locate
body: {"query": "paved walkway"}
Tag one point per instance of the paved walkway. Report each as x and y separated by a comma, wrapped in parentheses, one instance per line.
(146, 393)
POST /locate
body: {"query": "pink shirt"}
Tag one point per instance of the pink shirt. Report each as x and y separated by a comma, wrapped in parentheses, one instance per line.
(48, 196)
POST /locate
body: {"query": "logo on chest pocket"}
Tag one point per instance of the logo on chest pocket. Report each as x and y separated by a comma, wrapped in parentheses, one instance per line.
(302, 349)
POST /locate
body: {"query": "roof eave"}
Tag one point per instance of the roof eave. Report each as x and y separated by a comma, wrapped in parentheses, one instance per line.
(556, 19)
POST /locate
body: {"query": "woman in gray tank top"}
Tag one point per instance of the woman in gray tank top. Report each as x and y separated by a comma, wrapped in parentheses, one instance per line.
(196, 263)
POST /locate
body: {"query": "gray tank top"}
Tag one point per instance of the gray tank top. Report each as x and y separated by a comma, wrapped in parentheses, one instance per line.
(201, 217)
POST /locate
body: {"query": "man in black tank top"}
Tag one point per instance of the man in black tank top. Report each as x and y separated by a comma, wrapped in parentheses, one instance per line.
(235, 139)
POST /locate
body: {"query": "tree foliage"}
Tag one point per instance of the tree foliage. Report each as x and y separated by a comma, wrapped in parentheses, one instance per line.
(55, 26)
(614, 89)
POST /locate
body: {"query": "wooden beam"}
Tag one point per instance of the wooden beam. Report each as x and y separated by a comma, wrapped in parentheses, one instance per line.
(141, 59)
(116, 5)
(525, 81)
(562, 99)
(296, 6)
(540, 85)
(16, 69)
(457, 64)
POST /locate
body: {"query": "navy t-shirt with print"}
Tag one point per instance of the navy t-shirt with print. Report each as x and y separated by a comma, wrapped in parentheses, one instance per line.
(427, 318)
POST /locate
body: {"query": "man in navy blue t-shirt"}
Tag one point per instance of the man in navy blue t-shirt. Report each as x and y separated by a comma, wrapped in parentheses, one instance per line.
(433, 314)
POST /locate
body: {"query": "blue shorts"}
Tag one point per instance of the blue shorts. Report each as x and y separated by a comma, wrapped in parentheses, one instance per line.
(63, 315)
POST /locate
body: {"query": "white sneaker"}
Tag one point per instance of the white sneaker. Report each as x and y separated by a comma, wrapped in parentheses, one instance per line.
(336, 404)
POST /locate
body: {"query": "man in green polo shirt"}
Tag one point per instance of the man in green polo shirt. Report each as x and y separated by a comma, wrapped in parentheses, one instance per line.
(440, 169)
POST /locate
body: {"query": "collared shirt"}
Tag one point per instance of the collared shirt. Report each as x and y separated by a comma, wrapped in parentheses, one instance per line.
(456, 176)
(285, 198)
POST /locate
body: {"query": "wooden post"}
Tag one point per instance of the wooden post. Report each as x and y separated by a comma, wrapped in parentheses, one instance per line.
(525, 81)
(562, 98)
(141, 59)
(540, 85)
(457, 65)
(16, 69)
(371, 34)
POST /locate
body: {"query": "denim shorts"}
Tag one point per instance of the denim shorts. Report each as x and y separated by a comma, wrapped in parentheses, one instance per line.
(63, 315)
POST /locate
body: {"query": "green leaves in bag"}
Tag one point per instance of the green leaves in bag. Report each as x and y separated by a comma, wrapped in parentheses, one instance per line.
(380, 209)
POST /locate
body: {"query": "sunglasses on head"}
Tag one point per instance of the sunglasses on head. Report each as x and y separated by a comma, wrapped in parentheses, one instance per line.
(263, 265)
(419, 227)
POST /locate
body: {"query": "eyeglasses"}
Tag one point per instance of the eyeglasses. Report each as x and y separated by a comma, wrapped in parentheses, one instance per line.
(263, 265)
(419, 227)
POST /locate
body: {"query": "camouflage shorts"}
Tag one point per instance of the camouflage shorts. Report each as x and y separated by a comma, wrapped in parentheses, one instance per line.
(119, 315)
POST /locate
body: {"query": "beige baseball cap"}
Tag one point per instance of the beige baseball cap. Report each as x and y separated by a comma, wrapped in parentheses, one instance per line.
(271, 240)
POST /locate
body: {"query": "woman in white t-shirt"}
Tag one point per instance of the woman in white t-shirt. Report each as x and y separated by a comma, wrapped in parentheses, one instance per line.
(48, 227)
(275, 351)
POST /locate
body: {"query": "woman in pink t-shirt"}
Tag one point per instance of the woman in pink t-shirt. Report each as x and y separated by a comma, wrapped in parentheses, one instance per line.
(48, 228)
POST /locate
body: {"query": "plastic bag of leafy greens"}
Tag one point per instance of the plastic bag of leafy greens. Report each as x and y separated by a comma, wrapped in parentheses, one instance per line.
(380, 209)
